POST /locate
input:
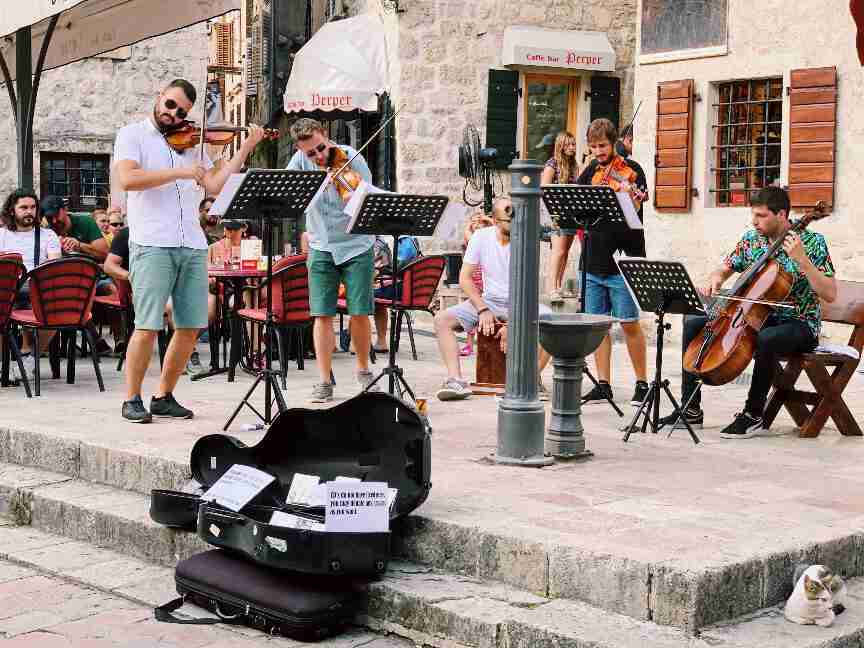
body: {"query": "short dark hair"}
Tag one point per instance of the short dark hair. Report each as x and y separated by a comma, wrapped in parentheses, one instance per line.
(602, 129)
(774, 198)
(304, 128)
(8, 213)
(187, 88)
(207, 199)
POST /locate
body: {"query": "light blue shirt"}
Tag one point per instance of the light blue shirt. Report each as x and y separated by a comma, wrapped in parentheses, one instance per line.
(326, 220)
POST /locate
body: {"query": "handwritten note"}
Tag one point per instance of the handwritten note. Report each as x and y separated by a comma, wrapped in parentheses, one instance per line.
(236, 488)
(357, 507)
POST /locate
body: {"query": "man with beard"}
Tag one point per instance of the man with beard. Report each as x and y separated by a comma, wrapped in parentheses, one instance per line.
(20, 212)
(168, 248)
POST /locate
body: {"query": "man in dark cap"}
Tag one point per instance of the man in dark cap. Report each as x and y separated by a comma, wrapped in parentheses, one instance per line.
(78, 234)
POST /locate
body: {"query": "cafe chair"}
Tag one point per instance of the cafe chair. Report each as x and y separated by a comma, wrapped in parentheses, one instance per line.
(11, 270)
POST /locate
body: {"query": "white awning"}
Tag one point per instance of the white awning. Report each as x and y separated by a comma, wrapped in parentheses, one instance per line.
(343, 67)
(551, 48)
(90, 27)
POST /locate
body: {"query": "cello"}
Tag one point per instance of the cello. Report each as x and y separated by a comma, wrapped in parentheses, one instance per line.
(726, 345)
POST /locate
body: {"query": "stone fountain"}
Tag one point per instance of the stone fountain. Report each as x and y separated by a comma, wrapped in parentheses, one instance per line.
(569, 338)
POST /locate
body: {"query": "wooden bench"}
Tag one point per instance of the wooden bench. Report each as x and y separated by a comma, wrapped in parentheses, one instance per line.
(811, 409)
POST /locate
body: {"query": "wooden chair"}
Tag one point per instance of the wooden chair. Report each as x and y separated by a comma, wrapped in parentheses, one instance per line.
(491, 368)
(811, 409)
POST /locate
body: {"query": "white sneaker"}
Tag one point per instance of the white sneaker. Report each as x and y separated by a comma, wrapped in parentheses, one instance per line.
(366, 378)
(555, 297)
(453, 389)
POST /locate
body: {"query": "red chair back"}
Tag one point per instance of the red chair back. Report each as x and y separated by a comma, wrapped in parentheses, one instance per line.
(420, 280)
(291, 293)
(124, 292)
(61, 291)
(11, 271)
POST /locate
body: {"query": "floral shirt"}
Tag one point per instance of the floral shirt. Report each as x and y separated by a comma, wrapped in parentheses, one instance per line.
(753, 246)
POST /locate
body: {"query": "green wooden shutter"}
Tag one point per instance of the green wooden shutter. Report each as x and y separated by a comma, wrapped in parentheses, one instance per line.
(502, 107)
(606, 99)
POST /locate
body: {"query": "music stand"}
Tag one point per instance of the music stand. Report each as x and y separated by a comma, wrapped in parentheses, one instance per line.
(397, 215)
(660, 287)
(273, 194)
(593, 208)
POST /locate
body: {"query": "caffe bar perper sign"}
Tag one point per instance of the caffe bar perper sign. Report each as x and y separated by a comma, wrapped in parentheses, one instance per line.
(577, 60)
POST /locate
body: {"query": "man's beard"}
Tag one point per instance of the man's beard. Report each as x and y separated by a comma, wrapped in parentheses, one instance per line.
(163, 128)
(23, 223)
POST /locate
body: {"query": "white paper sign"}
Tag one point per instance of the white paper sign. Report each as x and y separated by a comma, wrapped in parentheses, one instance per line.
(223, 200)
(280, 518)
(238, 486)
(357, 507)
(250, 250)
(302, 489)
(629, 210)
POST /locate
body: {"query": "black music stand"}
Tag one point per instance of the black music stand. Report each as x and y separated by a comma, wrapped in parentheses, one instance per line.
(397, 215)
(274, 194)
(660, 287)
(593, 208)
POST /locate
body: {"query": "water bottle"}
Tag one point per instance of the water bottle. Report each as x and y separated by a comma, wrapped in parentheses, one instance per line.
(252, 427)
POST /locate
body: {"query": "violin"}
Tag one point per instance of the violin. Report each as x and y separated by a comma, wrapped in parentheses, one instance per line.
(615, 175)
(345, 179)
(187, 135)
(725, 346)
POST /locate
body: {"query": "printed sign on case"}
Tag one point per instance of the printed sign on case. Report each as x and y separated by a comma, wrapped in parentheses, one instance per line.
(357, 507)
(236, 488)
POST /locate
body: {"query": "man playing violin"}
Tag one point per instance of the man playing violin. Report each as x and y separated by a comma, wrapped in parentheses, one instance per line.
(787, 330)
(605, 292)
(168, 249)
(334, 257)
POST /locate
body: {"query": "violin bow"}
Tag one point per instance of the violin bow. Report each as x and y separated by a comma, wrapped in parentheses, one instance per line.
(368, 141)
(203, 120)
(628, 129)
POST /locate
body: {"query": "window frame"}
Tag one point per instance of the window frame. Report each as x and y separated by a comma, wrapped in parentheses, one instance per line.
(72, 181)
(574, 83)
(716, 127)
(669, 56)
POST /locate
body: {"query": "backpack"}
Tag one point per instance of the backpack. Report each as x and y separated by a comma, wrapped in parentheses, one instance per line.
(407, 249)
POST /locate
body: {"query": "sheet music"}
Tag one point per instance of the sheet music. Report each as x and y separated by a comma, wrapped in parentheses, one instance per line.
(352, 209)
(223, 200)
(630, 214)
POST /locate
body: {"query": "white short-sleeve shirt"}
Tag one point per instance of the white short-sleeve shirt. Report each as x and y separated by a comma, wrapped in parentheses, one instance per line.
(24, 243)
(494, 261)
(165, 216)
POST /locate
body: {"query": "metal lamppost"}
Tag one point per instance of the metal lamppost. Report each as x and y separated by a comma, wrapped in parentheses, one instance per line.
(521, 416)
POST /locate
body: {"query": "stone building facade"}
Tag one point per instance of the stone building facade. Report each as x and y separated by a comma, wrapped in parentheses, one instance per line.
(809, 138)
(81, 106)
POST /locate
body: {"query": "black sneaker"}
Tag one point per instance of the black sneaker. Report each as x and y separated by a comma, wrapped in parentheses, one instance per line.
(640, 393)
(134, 412)
(601, 393)
(168, 407)
(743, 427)
(695, 417)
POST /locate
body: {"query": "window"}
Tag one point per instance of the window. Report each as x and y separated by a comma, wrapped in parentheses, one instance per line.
(550, 107)
(748, 128)
(674, 25)
(80, 178)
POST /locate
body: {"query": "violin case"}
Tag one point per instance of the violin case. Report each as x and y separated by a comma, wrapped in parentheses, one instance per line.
(297, 606)
(372, 437)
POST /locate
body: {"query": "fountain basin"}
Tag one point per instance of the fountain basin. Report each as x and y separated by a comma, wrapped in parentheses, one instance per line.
(573, 335)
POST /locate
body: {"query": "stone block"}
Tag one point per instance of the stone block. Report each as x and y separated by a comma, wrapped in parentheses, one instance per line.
(39, 450)
(187, 544)
(516, 562)
(432, 542)
(419, 14)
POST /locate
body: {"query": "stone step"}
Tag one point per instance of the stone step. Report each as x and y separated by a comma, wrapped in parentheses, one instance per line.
(416, 602)
(688, 596)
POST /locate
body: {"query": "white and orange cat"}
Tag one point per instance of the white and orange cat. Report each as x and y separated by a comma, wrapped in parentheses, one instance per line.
(817, 598)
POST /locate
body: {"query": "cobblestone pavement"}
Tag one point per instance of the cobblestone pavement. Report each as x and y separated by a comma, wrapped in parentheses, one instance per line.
(38, 610)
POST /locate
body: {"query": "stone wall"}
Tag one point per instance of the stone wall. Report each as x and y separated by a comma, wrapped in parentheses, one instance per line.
(760, 45)
(81, 106)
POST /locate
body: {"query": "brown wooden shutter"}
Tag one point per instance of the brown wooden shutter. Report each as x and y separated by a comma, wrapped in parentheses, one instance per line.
(813, 123)
(224, 44)
(673, 162)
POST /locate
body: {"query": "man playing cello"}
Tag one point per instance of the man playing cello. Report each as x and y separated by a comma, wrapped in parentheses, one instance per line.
(787, 330)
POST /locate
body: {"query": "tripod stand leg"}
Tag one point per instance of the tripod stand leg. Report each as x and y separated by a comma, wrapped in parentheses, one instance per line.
(243, 402)
(644, 408)
(280, 398)
(680, 411)
(591, 377)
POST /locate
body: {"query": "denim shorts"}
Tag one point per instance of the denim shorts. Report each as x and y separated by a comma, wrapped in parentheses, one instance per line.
(608, 295)
(160, 273)
(325, 277)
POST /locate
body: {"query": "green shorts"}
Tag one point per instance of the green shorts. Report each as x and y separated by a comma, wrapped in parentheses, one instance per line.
(157, 273)
(325, 277)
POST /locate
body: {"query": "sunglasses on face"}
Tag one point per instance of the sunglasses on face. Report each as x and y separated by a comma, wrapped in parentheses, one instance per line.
(170, 104)
(318, 149)
(115, 224)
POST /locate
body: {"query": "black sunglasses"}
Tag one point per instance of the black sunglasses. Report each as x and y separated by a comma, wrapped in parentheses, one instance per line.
(318, 149)
(116, 224)
(170, 104)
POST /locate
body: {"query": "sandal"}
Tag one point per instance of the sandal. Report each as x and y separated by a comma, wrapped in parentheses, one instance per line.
(380, 349)
(466, 351)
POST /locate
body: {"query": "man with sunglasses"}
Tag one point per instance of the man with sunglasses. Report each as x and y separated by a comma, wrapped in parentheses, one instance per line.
(168, 249)
(334, 257)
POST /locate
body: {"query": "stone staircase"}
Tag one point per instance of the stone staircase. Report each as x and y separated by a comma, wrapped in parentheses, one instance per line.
(451, 586)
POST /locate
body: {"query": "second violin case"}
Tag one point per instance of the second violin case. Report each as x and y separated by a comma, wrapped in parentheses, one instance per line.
(372, 437)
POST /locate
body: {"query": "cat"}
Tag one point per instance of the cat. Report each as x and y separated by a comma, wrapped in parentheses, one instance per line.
(813, 599)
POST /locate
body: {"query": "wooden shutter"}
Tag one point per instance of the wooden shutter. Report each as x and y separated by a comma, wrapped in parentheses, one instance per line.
(606, 99)
(502, 106)
(813, 123)
(673, 161)
(224, 44)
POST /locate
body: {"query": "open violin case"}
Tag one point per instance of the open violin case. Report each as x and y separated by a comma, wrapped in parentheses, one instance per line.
(373, 437)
